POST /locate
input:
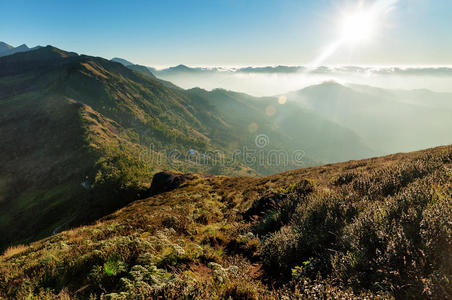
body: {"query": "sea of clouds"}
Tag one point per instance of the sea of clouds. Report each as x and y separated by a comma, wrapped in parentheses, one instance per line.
(268, 81)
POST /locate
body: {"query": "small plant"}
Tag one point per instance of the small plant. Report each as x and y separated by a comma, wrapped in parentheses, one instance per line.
(300, 271)
(113, 266)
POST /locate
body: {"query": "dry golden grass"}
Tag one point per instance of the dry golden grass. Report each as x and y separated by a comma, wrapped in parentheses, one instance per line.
(94, 69)
(13, 250)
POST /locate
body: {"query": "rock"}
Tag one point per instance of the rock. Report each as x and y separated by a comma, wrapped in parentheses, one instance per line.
(271, 201)
(167, 181)
(263, 205)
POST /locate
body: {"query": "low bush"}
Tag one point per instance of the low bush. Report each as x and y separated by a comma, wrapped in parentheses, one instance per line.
(396, 235)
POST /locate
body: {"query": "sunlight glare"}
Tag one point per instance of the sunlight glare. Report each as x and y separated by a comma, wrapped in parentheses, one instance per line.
(358, 26)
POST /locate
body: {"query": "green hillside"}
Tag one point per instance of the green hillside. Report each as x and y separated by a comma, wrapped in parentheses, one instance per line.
(66, 120)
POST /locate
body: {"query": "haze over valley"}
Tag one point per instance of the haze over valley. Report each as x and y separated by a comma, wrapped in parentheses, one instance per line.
(271, 80)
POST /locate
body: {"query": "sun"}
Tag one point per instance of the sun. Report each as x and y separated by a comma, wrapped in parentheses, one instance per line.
(357, 27)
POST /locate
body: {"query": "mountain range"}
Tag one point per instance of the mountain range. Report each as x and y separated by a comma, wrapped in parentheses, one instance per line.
(397, 70)
(385, 120)
(6, 49)
(83, 136)
(275, 80)
(388, 121)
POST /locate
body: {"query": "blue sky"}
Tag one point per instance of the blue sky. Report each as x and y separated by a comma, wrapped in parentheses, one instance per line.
(228, 32)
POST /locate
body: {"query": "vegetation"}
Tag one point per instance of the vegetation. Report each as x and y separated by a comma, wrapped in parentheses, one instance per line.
(76, 134)
(375, 232)
(81, 137)
(373, 228)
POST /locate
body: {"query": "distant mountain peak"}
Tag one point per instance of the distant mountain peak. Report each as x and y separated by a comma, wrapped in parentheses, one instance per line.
(329, 84)
(6, 49)
(181, 67)
(23, 46)
(122, 61)
(5, 45)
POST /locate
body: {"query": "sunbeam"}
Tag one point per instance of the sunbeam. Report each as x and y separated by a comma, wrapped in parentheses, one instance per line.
(356, 25)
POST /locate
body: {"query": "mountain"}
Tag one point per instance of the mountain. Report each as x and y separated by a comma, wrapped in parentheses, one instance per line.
(270, 69)
(296, 129)
(83, 135)
(337, 70)
(386, 120)
(375, 228)
(276, 80)
(147, 71)
(66, 121)
(419, 97)
(6, 49)
(142, 69)
(122, 61)
(183, 69)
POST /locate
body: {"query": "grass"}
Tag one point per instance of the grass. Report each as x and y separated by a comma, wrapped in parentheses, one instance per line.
(13, 250)
(383, 232)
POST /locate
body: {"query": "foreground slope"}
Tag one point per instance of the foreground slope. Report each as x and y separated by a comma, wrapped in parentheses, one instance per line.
(379, 226)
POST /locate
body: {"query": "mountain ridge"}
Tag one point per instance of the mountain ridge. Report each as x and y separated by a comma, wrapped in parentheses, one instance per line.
(6, 49)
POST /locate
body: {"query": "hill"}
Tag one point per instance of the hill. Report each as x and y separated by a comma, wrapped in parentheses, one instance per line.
(362, 229)
(83, 135)
(388, 121)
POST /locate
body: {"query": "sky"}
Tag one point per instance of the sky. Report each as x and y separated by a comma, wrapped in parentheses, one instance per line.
(231, 32)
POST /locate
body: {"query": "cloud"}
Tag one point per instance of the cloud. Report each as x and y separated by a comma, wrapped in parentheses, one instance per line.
(352, 70)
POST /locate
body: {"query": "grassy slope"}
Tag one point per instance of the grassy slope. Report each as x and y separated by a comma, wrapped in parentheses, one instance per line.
(376, 226)
(46, 151)
(42, 164)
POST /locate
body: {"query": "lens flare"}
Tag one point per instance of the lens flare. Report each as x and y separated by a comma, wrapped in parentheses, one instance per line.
(282, 100)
